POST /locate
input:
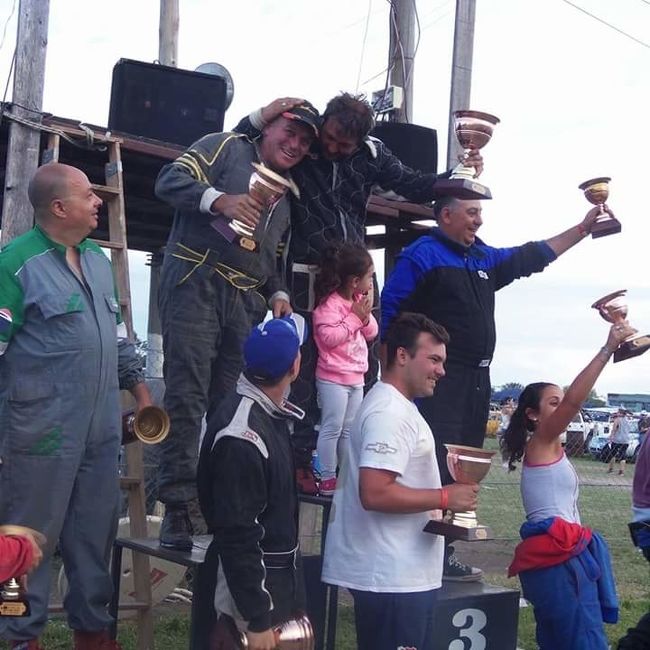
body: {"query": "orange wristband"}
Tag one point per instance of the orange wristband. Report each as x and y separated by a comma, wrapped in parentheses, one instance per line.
(444, 498)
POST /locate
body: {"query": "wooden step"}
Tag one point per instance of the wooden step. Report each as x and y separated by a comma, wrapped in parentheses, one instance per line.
(116, 245)
(106, 192)
(130, 482)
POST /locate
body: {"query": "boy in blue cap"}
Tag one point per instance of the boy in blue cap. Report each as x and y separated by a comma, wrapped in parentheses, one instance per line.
(247, 489)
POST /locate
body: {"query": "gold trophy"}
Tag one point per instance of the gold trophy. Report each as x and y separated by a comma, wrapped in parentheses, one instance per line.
(466, 465)
(473, 130)
(294, 634)
(13, 601)
(149, 425)
(596, 191)
(613, 308)
(267, 187)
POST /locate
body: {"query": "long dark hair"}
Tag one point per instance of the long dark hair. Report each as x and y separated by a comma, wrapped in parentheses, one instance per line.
(515, 437)
(339, 263)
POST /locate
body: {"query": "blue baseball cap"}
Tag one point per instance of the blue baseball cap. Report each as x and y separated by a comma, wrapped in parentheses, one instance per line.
(273, 346)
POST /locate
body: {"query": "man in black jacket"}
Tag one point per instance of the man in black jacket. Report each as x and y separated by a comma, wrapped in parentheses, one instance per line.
(451, 277)
(247, 489)
(335, 183)
(213, 288)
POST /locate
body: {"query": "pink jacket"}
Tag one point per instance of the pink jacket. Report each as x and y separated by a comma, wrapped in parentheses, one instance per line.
(341, 340)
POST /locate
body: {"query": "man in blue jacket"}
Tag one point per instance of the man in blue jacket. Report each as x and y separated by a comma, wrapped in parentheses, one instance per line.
(451, 276)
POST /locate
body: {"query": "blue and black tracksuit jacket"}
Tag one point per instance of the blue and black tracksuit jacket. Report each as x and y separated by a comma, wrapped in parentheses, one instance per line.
(454, 285)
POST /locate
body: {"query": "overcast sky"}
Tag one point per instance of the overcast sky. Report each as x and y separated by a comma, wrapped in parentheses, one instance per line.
(572, 94)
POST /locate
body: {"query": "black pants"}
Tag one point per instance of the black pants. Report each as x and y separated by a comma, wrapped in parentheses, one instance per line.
(458, 411)
(205, 322)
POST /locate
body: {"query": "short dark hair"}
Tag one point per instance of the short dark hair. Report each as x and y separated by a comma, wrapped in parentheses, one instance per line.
(404, 332)
(353, 113)
(440, 204)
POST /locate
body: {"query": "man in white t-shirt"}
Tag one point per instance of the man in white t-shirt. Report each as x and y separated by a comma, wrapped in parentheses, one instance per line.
(386, 491)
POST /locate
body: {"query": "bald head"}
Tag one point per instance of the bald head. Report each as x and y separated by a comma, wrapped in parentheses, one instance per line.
(49, 183)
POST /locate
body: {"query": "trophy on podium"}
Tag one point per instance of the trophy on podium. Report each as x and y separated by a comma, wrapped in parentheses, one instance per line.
(267, 187)
(466, 465)
(596, 192)
(613, 308)
(473, 130)
(13, 601)
(294, 634)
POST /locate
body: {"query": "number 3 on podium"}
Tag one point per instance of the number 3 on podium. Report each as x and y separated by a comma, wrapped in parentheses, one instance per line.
(470, 622)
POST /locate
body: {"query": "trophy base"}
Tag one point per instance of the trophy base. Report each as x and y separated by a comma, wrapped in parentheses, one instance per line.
(453, 531)
(632, 348)
(17, 607)
(235, 235)
(461, 188)
(609, 226)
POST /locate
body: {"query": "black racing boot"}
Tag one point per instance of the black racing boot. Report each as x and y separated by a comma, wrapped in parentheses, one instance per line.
(176, 528)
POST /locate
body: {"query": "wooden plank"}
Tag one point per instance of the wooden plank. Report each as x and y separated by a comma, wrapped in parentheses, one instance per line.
(104, 243)
(104, 191)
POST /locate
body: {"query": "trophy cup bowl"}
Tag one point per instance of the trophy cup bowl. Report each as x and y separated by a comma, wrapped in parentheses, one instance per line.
(294, 634)
(466, 465)
(613, 308)
(12, 598)
(473, 130)
(149, 425)
(596, 191)
(265, 186)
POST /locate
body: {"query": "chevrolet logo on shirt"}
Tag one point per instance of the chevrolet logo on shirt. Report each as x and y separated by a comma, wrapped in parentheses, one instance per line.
(381, 448)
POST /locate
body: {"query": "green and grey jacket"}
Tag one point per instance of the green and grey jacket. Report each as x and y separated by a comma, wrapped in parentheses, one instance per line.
(48, 316)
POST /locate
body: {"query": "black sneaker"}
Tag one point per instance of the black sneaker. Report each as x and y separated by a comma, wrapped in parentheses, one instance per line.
(454, 570)
(176, 529)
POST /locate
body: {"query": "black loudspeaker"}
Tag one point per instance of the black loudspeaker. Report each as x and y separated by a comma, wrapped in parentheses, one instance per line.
(416, 146)
(164, 103)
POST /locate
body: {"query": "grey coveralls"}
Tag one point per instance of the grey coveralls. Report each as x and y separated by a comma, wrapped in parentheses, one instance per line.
(212, 292)
(60, 419)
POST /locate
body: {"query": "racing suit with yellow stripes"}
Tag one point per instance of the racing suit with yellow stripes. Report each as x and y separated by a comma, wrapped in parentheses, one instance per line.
(212, 291)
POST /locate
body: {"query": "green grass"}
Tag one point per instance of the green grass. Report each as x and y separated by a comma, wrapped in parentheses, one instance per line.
(604, 506)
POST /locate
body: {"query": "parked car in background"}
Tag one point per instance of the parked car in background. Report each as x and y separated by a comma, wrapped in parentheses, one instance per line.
(576, 435)
(600, 440)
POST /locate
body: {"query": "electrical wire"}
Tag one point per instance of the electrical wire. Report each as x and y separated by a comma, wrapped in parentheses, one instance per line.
(363, 45)
(4, 31)
(604, 22)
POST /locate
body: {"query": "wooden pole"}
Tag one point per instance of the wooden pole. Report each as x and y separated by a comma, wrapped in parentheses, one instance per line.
(168, 33)
(24, 141)
(402, 51)
(167, 55)
(461, 72)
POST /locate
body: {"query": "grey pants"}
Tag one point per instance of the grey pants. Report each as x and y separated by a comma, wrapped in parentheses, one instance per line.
(72, 497)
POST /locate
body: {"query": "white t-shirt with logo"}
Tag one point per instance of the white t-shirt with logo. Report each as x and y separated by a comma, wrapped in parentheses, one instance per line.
(377, 551)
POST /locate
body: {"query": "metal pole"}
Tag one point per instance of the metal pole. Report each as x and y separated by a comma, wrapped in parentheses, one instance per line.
(402, 51)
(24, 141)
(461, 72)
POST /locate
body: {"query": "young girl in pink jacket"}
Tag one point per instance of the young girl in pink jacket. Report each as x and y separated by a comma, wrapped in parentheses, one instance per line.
(342, 324)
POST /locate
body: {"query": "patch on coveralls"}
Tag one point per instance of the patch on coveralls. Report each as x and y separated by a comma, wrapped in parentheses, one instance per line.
(6, 320)
(74, 304)
(49, 444)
